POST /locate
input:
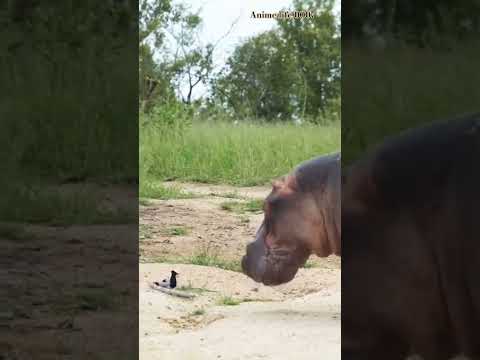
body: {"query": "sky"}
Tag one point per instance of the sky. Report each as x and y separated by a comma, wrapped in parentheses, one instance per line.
(219, 15)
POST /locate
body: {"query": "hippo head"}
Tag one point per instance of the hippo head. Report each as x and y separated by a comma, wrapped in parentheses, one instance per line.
(292, 229)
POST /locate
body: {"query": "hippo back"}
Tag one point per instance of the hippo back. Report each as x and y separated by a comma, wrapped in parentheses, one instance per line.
(313, 174)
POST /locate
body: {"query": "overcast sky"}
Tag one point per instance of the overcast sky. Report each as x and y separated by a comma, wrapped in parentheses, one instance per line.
(218, 16)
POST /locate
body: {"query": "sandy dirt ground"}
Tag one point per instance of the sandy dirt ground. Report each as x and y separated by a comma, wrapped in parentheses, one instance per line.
(61, 302)
(299, 320)
(208, 227)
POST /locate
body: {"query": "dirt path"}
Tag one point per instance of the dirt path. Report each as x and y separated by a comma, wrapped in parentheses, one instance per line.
(61, 302)
(297, 320)
(186, 227)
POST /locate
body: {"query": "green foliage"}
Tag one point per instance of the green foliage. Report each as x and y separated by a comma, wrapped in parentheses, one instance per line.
(180, 62)
(170, 118)
(153, 189)
(229, 301)
(251, 87)
(176, 231)
(207, 259)
(315, 44)
(144, 202)
(252, 206)
(203, 257)
(153, 14)
(309, 265)
(154, 78)
(291, 72)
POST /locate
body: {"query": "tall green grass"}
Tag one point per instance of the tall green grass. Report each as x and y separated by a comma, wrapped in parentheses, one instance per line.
(222, 152)
(402, 86)
(68, 110)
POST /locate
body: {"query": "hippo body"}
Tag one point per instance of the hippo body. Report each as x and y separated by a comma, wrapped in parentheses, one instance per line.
(411, 246)
(302, 217)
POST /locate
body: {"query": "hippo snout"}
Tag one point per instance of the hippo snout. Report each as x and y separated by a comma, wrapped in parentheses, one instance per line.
(253, 263)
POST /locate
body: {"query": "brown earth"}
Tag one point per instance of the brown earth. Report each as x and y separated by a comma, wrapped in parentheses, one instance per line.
(65, 289)
(299, 319)
(208, 227)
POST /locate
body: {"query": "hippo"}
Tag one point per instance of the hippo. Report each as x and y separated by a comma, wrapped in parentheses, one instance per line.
(301, 217)
(411, 245)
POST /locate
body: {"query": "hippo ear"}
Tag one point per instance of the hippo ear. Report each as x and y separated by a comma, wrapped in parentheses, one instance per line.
(285, 185)
(291, 182)
(277, 184)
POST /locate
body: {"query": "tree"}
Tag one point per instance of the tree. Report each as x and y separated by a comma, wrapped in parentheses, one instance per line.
(260, 79)
(154, 16)
(191, 63)
(316, 46)
(291, 71)
(171, 57)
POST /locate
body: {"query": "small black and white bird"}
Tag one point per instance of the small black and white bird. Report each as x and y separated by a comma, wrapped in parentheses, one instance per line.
(171, 284)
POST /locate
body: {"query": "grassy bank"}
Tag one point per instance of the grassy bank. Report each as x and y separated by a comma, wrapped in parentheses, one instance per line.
(242, 154)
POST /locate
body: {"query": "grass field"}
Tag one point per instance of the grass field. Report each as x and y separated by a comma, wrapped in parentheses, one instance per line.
(400, 87)
(243, 154)
(77, 123)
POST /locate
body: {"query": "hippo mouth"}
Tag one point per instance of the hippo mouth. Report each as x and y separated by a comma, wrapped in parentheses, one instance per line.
(272, 266)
